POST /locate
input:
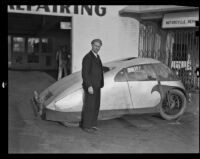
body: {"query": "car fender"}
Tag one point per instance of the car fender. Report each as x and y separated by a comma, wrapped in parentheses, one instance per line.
(163, 89)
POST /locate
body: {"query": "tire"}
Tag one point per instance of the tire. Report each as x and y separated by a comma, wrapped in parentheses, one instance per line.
(173, 105)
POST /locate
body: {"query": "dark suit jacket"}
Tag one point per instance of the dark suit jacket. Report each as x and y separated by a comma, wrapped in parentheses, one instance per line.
(92, 71)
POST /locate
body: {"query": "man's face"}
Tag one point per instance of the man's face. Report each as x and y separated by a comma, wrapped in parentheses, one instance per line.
(96, 47)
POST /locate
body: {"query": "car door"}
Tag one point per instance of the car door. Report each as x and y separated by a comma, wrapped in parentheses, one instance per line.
(141, 80)
(115, 93)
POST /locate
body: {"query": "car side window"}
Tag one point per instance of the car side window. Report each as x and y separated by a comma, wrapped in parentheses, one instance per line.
(151, 74)
(140, 73)
(120, 76)
(164, 73)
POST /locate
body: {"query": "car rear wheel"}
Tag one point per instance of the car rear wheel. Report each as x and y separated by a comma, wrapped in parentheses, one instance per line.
(173, 105)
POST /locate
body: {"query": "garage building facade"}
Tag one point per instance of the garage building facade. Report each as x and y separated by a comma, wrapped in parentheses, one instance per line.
(35, 32)
(168, 33)
(163, 32)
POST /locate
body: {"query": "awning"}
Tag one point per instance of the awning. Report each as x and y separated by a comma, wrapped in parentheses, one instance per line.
(149, 12)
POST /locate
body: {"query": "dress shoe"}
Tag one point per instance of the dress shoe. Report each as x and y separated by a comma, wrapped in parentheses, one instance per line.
(95, 128)
(70, 124)
(89, 130)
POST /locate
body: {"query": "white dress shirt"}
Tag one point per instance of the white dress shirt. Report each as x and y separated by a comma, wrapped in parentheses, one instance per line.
(95, 54)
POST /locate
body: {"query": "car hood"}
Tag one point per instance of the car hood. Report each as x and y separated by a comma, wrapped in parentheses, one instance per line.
(61, 88)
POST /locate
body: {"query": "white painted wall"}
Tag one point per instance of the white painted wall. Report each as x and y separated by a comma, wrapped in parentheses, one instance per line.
(120, 36)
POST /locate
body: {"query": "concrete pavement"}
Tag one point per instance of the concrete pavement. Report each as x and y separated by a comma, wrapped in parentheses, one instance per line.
(129, 134)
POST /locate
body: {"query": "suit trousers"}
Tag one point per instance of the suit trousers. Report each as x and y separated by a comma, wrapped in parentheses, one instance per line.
(62, 67)
(90, 111)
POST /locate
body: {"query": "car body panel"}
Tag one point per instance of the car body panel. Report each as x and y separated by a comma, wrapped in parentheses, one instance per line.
(142, 95)
(112, 91)
(172, 83)
(61, 88)
(70, 103)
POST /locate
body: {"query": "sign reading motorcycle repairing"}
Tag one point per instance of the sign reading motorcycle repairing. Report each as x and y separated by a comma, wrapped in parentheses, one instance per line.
(180, 20)
(61, 10)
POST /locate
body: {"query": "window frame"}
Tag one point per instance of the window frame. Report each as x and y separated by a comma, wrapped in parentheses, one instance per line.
(25, 51)
(149, 78)
(29, 53)
(157, 77)
(51, 46)
(12, 43)
(117, 77)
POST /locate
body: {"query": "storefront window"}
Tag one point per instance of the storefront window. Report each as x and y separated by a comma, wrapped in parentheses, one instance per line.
(33, 59)
(33, 45)
(18, 44)
(46, 45)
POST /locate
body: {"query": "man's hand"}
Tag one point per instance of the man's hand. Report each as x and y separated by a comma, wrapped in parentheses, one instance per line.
(90, 90)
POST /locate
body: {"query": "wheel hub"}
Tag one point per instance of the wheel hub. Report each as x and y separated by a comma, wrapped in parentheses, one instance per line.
(172, 105)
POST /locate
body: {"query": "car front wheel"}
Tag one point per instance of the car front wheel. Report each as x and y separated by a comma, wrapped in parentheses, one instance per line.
(173, 105)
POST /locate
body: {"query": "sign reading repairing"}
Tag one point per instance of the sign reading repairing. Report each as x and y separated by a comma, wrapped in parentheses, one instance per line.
(59, 9)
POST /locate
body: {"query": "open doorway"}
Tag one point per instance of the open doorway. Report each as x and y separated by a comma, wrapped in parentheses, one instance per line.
(34, 39)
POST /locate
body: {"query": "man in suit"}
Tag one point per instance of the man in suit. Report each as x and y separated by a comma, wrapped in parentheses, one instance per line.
(93, 81)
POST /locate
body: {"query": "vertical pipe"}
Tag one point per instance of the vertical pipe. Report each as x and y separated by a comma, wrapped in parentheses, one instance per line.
(180, 51)
(147, 41)
(177, 44)
(183, 43)
(139, 45)
(139, 42)
(153, 44)
(144, 36)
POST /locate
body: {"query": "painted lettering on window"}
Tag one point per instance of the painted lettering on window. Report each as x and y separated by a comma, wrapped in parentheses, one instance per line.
(133, 69)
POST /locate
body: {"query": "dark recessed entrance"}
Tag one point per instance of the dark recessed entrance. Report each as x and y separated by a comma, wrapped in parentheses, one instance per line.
(34, 39)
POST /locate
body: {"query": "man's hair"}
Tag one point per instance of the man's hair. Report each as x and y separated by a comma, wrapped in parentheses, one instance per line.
(96, 40)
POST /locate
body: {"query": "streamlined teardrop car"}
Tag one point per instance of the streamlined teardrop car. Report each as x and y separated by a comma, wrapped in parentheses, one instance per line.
(131, 85)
